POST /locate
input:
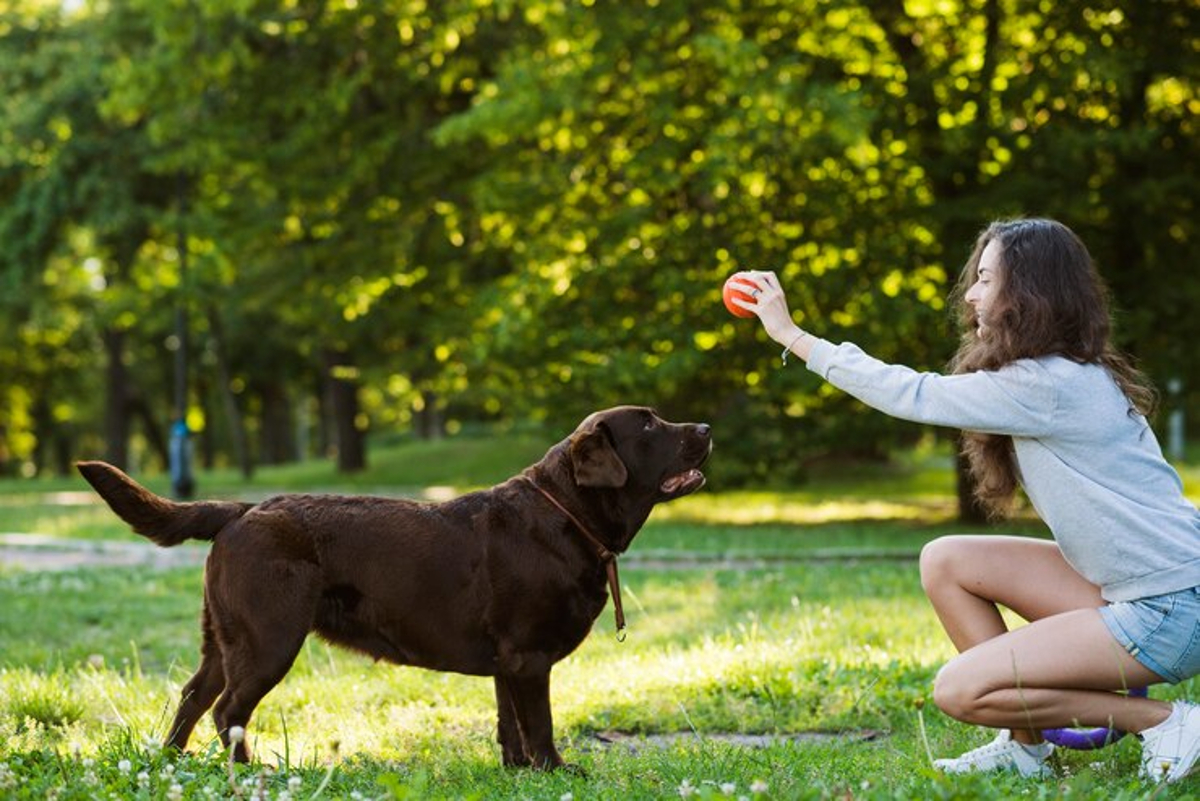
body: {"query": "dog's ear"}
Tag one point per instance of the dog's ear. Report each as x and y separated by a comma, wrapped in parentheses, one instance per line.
(595, 460)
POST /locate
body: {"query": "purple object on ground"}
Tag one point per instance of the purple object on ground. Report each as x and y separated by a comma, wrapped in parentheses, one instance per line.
(1085, 739)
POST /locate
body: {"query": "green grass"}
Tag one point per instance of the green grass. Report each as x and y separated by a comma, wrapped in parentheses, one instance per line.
(749, 612)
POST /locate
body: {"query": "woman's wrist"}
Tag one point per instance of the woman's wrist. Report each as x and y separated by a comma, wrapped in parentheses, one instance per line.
(788, 335)
(797, 342)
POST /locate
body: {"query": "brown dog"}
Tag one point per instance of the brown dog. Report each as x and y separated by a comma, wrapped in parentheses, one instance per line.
(503, 582)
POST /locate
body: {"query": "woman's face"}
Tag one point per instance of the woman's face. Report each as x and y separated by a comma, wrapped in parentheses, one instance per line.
(987, 282)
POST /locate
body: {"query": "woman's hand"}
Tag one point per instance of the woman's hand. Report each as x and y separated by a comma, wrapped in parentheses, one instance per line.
(770, 306)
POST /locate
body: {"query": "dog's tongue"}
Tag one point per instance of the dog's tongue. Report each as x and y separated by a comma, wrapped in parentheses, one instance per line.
(690, 480)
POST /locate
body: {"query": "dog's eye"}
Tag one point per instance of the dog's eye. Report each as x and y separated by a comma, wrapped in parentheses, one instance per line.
(649, 424)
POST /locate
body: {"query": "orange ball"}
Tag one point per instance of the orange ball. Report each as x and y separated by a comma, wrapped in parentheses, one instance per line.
(737, 286)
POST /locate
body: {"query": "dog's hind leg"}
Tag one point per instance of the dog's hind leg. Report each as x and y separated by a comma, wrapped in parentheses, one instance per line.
(203, 688)
(249, 676)
(260, 642)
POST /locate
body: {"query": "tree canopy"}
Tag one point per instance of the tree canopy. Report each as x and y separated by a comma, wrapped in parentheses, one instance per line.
(405, 214)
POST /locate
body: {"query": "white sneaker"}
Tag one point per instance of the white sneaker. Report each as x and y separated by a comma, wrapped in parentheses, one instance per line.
(1170, 749)
(1003, 753)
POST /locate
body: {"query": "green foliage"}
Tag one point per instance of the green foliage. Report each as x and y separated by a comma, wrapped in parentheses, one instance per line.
(525, 210)
(35, 699)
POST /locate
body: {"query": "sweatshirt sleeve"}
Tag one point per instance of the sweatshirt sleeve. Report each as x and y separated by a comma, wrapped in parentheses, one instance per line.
(1017, 400)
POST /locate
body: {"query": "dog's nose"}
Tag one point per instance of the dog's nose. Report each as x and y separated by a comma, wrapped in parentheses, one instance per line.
(704, 429)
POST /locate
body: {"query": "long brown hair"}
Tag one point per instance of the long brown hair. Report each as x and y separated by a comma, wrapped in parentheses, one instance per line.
(1049, 299)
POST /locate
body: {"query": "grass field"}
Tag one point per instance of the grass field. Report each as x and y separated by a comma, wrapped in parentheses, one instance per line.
(779, 647)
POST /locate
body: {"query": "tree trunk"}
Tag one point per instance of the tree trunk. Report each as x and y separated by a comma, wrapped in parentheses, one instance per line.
(325, 423)
(342, 382)
(206, 442)
(6, 465)
(64, 447)
(952, 170)
(52, 439)
(430, 425)
(116, 413)
(970, 510)
(303, 430)
(150, 426)
(233, 413)
(276, 444)
(43, 431)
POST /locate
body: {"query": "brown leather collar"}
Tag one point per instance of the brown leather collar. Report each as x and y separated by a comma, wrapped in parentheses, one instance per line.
(606, 555)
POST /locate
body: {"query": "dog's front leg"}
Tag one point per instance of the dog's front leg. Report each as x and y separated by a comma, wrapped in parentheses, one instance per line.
(530, 697)
(512, 743)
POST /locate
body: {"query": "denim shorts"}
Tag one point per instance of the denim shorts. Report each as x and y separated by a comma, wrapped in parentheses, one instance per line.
(1162, 632)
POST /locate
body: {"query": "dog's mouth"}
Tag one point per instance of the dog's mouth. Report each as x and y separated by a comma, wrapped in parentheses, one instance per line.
(683, 483)
(688, 481)
(696, 452)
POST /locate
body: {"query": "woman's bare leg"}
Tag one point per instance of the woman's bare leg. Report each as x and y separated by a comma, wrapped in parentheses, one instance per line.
(966, 576)
(1004, 679)
(1058, 671)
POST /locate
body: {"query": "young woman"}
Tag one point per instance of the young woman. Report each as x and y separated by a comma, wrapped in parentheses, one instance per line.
(1047, 403)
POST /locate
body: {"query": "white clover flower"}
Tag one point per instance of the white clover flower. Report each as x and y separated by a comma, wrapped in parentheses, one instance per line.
(758, 787)
(125, 766)
(728, 788)
(175, 793)
(295, 783)
(686, 790)
(566, 797)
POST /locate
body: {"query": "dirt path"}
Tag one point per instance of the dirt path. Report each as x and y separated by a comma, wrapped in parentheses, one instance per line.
(44, 553)
(39, 552)
(640, 742)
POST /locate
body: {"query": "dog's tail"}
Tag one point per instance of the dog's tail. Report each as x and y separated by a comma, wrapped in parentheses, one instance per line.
(164, 521)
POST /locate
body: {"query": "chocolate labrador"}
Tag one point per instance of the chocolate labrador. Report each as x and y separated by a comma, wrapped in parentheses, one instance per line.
(503, 582)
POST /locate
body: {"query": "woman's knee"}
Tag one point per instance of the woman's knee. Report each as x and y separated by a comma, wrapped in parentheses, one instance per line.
(939, 559)
(956, 693)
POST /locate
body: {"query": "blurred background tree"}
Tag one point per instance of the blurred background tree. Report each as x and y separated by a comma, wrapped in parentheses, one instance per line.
(412, 216)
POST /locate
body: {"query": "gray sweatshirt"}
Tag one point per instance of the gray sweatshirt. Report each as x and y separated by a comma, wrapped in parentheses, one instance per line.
(1094, 472)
